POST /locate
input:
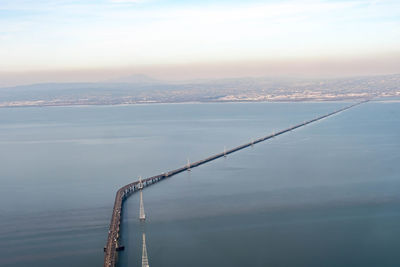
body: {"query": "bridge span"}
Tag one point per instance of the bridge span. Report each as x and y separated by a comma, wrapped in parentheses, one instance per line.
(112, 247)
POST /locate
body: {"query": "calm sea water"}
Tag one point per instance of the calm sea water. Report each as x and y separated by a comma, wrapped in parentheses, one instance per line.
(323, 195)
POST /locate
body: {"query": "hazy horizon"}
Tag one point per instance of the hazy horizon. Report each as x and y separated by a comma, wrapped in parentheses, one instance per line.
(179, 73)
(90, 41)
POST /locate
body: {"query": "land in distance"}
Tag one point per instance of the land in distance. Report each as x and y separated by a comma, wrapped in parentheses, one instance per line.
(147, 90)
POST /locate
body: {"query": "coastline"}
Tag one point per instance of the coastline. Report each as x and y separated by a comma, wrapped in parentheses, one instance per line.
(5, 105)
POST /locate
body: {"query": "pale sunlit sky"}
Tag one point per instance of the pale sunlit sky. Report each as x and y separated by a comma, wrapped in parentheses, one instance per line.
(78, 38)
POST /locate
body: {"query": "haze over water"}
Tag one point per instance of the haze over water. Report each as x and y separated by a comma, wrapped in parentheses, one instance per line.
(323, 195)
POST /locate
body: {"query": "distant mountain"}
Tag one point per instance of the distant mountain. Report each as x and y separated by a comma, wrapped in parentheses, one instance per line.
(135, 78)
(143, 89)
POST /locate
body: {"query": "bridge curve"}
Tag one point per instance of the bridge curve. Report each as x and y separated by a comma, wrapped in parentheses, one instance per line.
(112, 246)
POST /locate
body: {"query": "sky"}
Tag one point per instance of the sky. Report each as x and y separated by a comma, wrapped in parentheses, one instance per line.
(71, 40)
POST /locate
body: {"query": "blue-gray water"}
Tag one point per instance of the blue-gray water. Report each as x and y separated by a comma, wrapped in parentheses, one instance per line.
(323, 195)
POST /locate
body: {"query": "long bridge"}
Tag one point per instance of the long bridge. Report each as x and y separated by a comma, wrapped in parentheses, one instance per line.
(112, 247)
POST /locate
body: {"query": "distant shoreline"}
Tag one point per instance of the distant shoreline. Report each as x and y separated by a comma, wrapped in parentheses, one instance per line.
(395, 100)
(250, 90)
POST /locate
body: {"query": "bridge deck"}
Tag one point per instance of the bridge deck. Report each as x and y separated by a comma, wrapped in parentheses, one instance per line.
(110, 249)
